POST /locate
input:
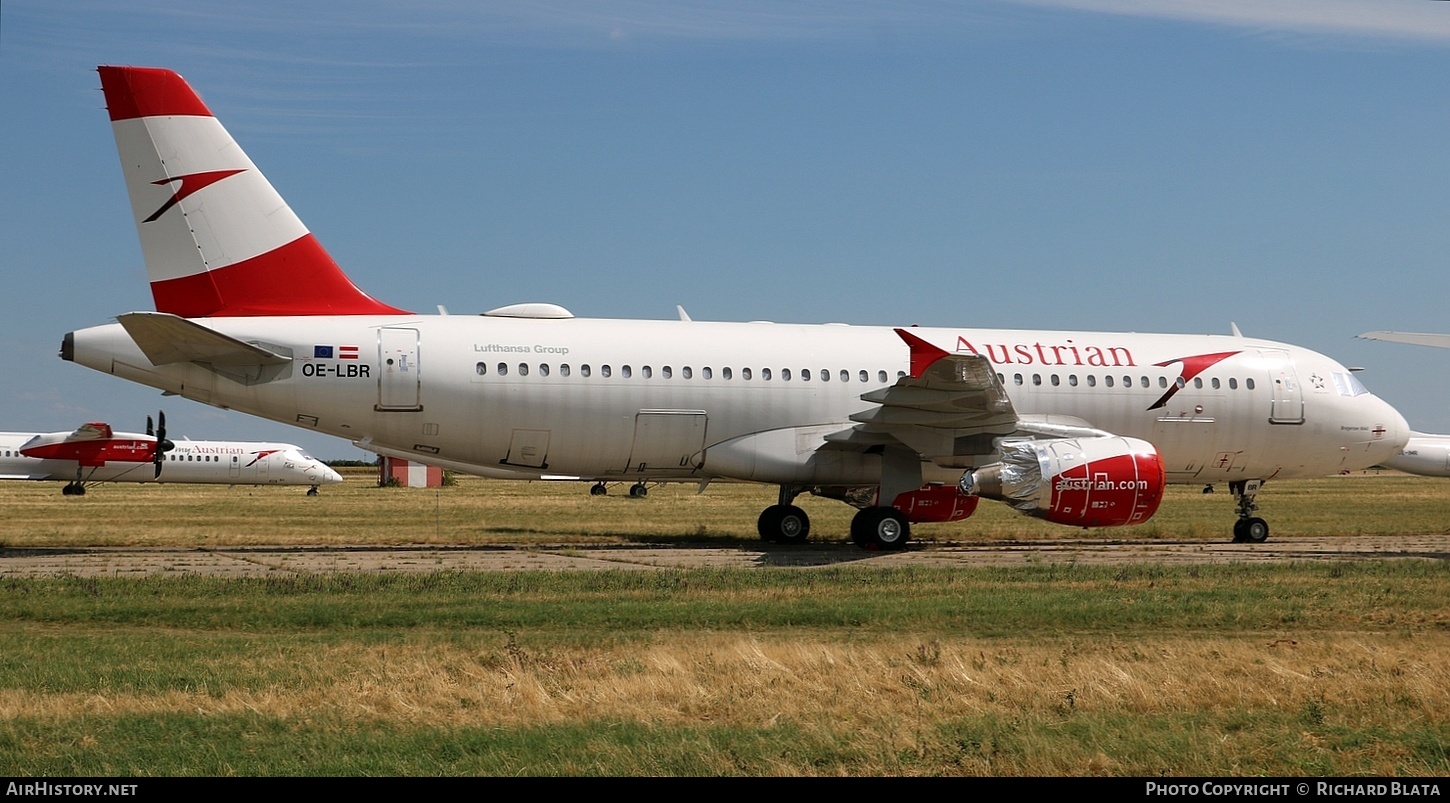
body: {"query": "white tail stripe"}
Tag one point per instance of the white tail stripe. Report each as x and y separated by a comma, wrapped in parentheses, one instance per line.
(183, 240)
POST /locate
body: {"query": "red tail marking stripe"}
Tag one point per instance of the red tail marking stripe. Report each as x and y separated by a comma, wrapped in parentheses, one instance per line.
(133, 92)
(297, 279)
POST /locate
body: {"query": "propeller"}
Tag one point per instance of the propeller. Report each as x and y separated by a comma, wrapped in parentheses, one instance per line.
(162, 444)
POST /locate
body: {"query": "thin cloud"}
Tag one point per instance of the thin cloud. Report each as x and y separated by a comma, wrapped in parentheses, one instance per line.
(1408, 20)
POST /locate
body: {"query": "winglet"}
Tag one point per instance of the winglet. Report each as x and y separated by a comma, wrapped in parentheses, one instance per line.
(923, 354)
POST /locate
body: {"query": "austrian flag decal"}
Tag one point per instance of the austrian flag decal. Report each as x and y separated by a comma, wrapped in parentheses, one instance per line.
(334, 352)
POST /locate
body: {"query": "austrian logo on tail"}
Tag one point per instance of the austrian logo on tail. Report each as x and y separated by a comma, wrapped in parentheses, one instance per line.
(188, 185)
(261, 455)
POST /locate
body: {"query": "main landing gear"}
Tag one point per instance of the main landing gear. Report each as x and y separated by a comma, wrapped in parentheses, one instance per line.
(883, 528)
(877, 528)
(636, 491)
(73, 489)
(784, 523)
(1249, 529)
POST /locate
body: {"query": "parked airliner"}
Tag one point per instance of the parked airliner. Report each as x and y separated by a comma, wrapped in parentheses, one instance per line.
(905, 424)
(94, 453)
(1424, 454)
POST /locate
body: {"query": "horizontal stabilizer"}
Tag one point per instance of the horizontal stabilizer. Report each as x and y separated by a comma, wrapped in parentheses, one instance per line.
(166, 339)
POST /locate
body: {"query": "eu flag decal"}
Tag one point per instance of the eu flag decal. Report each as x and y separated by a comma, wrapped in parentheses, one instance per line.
(322, 352)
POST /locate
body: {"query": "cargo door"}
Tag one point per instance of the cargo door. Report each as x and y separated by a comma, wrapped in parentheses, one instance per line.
(667, 442)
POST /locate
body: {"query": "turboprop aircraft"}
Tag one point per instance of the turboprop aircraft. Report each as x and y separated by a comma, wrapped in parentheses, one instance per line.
(93, 454)
(906, 424)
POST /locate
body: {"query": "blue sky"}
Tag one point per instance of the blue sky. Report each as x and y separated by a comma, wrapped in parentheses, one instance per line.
(1068, 164)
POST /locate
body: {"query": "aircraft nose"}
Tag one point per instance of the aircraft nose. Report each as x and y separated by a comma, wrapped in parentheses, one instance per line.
(1393, 430)
(329, 475)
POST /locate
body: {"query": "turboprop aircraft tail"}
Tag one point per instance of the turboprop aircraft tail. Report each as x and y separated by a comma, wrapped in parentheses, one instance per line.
(217, 238)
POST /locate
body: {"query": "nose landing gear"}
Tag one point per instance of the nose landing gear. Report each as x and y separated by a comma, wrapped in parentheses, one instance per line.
(1249, 529)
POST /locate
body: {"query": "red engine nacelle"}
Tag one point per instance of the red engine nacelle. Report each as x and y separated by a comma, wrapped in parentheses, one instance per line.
(1084, 482)
(935, 503)
(95, 453)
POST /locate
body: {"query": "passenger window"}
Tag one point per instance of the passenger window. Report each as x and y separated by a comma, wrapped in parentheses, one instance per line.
(725, 373)
(606, 371)
(785, 374)
(523, 369)
(1107, 381)
(1143, 380)
(1037, 380)
(1017, 379)
(564, 369)
(481, 369)
(745, 374)
(1072, 380)
(706, 373)
(881, 377)
(503, 369)
(765, 374)
(1214, 383)
(1233, 383)
(668, 372)
(648, 372)
(805, 374)
(584, 369)
(1092, 381)
(687, 372)
(625, 371)
(544, 369)
(865, 377)
(1055, 380)
(1198, 383)
(1249, 383)
(825, 375)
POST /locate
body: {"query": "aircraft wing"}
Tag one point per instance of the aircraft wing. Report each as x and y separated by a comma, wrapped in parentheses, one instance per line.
(948, 409)
(951, 410)
(1413, 338)
(93, 431)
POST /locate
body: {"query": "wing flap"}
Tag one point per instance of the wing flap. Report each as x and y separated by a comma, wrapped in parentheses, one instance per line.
(949, 410)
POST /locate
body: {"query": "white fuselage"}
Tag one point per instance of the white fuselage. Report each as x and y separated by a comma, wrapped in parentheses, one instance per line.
(1426, 455)
(212, 462)
(617, 399)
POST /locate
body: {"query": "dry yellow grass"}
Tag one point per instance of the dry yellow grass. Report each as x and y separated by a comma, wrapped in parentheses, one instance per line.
(887, 691)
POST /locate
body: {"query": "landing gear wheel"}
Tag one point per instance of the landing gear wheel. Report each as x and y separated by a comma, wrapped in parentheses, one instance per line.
(638, 491)
(1252, 530)
(784, 524)
(312, 491)
(881, 528)
(598, 489)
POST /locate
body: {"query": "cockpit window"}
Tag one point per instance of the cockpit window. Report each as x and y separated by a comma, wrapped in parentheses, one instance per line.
(1349, 385)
